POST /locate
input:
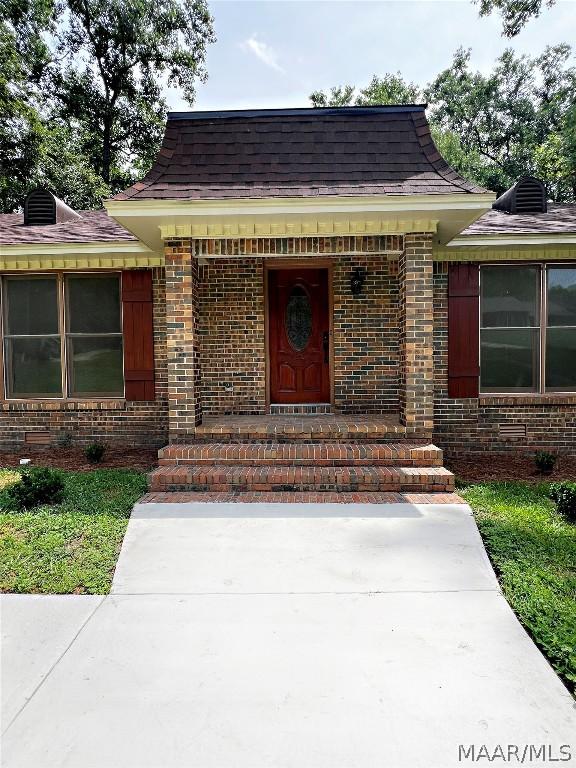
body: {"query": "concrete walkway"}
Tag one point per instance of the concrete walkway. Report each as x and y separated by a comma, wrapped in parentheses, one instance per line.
(279, 636)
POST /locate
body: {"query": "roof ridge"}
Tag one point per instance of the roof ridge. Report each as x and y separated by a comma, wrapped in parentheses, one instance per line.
(296, 111)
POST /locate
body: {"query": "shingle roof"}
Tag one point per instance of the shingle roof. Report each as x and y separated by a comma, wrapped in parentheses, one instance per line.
(559, 219)
(91, 227)
(298, 153)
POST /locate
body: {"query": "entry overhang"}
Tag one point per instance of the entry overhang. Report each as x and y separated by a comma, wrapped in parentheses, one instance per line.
(154, 221)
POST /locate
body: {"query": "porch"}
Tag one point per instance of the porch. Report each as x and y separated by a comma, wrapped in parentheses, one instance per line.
(251, 333)
(367, 457)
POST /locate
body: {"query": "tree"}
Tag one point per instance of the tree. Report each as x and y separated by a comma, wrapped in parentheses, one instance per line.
(515, 13)
(24, 57)
(389, 89)
(81, 106)
(339, 96)
(515, 118)
(117, 54)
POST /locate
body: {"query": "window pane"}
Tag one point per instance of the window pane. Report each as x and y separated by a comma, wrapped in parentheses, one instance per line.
(510, 297)
(33, 367)
(561, 296)
(96, 365)
(32, 306)
(94, 304)
(561, 358)
(509, 360)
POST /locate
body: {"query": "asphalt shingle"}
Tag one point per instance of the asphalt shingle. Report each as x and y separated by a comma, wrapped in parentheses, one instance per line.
(298, 153)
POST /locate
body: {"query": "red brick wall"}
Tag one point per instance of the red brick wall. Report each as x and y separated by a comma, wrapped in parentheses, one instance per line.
(473, 424)
(113, 422)
(231, 319)
(366, 336)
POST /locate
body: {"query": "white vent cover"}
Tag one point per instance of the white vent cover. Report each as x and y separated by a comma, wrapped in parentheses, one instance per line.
(512, 431)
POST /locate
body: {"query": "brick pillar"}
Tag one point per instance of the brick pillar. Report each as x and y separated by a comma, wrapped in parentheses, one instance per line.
(416, 334)
(182, 340)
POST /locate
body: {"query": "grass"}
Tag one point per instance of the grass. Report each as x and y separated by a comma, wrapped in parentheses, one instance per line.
(71, 547)
(533, 550)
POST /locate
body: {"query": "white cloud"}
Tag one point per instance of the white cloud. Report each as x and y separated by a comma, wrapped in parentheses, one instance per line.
(262, 51)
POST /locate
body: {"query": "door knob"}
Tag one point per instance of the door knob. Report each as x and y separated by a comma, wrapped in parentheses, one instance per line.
(326, 346)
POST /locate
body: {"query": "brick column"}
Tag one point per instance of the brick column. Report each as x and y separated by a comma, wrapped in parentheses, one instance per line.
(416, 334)
(182, 340)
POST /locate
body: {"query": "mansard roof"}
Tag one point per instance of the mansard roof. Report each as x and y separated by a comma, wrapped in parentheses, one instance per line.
(273, 153)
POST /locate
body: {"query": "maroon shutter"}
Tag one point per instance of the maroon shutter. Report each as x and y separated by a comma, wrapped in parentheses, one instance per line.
(463, 330)
(138, 330)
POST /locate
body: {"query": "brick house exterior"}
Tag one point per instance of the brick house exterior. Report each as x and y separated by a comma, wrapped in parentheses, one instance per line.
(361, 197)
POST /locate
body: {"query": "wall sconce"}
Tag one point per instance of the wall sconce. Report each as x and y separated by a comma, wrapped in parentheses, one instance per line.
(357, 280)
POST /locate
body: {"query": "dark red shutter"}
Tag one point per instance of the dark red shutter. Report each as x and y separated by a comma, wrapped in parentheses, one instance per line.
(463, 330)
(138, 330)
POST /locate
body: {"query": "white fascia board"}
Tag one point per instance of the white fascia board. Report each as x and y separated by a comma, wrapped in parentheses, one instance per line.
(333, 204)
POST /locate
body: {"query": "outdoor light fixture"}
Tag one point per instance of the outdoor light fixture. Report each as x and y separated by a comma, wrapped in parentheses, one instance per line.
(357, 279)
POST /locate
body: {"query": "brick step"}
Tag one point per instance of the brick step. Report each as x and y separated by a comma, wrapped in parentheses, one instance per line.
(280, 429)
(299, 497)
(304, 454)
(182, 477)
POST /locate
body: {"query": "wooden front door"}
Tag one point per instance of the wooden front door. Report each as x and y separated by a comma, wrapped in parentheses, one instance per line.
(299, 336)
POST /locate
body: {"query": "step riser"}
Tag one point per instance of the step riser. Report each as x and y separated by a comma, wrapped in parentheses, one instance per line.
(442, 487)
(401, 461)
(302, 455)
(306, 479)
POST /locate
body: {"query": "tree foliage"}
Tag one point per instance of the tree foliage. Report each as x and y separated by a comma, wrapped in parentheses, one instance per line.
(515, 118)
(389, 89)
(515, 13)
(81, 90)
(23, 59)
(518, 119)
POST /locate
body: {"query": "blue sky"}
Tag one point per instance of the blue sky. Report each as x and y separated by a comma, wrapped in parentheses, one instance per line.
(274, 53)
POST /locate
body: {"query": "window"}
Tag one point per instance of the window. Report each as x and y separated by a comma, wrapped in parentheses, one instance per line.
(528, 328)
(62, 336)
(560, 351)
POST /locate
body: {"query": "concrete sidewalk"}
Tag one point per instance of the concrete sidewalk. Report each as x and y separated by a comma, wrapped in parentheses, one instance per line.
(272, 636)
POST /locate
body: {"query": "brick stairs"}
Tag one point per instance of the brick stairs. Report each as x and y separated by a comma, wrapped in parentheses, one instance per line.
(320, 457)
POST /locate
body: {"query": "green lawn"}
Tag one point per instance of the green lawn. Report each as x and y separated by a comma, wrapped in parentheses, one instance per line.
(533, 550)
(71, 547)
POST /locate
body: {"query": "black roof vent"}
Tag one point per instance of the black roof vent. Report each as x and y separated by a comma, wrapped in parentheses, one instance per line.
(42, 207)
(528, 195)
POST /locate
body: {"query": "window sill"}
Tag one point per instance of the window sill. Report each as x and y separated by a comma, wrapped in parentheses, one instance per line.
(63, 405)
(552, 398)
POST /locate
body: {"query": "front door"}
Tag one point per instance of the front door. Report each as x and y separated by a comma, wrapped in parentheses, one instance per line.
(299, 334)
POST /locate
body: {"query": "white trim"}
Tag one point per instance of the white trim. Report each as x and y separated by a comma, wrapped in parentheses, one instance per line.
(552, 238)
(295, 205)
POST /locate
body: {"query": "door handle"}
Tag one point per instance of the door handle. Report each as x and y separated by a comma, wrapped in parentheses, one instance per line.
(326, 346)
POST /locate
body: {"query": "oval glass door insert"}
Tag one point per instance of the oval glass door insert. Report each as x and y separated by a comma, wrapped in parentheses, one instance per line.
(298, 319)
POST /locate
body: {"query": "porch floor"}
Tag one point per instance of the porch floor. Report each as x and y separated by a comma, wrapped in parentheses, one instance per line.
(302, 427)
